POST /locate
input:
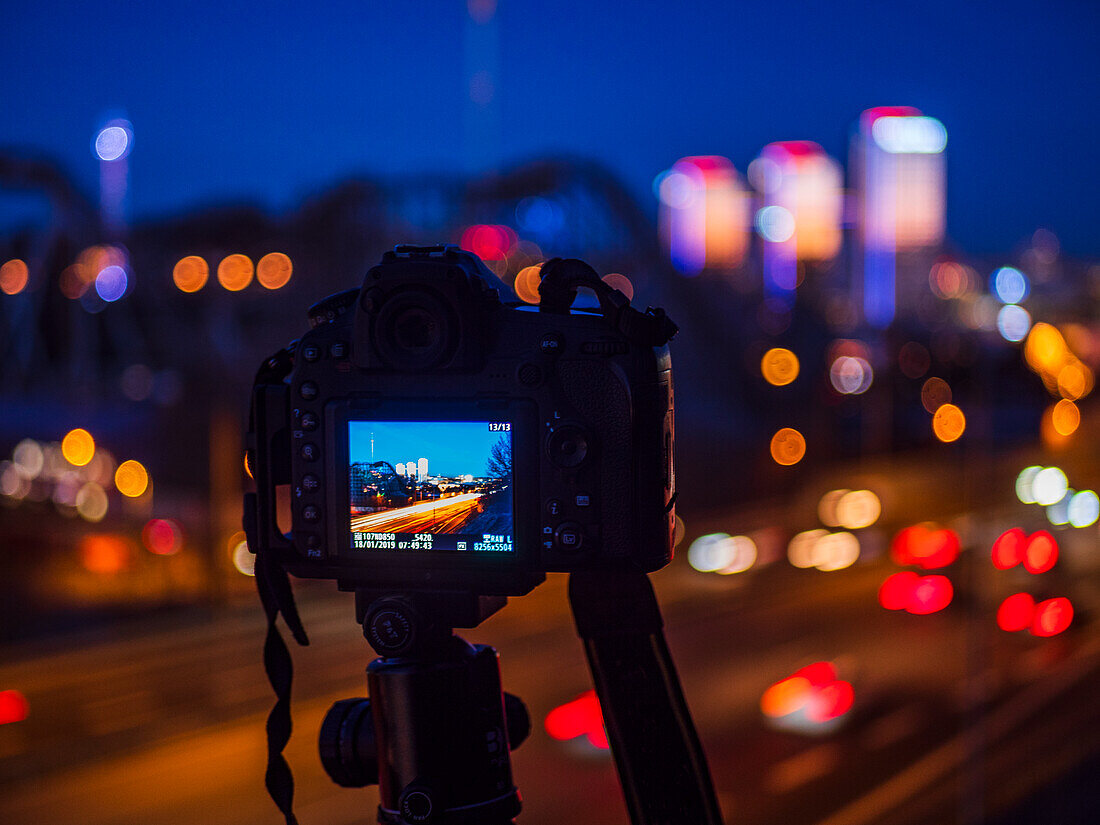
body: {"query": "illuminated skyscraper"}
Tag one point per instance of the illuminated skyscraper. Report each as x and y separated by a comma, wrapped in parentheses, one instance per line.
(801, 205)
(898, 168)
(704, 217)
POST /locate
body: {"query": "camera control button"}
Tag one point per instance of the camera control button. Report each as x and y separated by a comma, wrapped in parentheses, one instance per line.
(311, 513)
(583, 500)
(551, 343)
(569, 537)
(567, 446)
(311, 352)
(310, 483)
(308, 390)
(339, 350)
(309, 452)
(310, 421)
(554, 507)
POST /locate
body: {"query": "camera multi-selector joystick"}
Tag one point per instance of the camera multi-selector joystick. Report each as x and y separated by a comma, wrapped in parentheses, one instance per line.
(436, 733)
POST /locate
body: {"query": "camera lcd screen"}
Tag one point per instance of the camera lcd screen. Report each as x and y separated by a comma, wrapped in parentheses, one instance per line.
(431, 486)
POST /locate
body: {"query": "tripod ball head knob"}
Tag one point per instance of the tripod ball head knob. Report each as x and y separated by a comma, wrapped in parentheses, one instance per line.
(347, 744)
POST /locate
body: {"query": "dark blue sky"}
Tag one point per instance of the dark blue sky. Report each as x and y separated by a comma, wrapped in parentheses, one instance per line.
(453, 448)
(268, 101)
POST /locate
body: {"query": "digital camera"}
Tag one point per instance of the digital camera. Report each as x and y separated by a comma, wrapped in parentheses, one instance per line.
(430, 433)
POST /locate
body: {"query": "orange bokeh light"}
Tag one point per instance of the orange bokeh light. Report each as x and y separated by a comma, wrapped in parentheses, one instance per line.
(190, 273)
(274, 270)
(104, 554)
(788, 447)
(527, 284)
(235, 272)
(948, 423)
(13, 276)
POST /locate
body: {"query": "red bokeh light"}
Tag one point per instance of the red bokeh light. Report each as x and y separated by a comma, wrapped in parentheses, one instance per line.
(897, 590)
(162, 537)
(1016, 612)
(1040, 552)
(1008, 549)
(13, 706)
(814, 690)
(488, 242)
(1052, 616)
(581, 717)
(925, 545)
(830, 701)
(930, 594)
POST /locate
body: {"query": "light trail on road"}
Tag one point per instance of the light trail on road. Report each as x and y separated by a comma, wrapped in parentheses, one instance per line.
(443, 516)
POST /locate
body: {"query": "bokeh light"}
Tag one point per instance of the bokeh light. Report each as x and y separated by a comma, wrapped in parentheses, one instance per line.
(621, 283)
(1040, 552)
(858, 509)
(235, 272)
(930, 594)
(948, 423)
(800, 550)
(1016, 612)
(111, 283)
(895, 592)
(580, 717)
(775, 224)
(826, 507)
(1052, 616)
(1084, 509)
(78, 447)
(1065, 417)
(1025, 484)
(131, 478)
(934, 393)
(527, 284)
(162, 536)
(851, 375)
(779, 366)
(788, 446)
(835, 551)
(14, 707)
(29, 458)
(1013, 323)
(105, 554)
(1049, 485)
(1010, 285)
(489, 242)
(243, 559)
(91, 502)
(1008, 549)
(190, 273)
(13, 276)
(1058, 512)
(274, 270)
(113, 141)
(926, 545)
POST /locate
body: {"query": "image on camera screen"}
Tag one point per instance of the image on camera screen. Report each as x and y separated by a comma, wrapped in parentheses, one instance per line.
(431, 485)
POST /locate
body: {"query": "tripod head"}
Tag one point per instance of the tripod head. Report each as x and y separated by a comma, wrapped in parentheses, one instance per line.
(436, 733)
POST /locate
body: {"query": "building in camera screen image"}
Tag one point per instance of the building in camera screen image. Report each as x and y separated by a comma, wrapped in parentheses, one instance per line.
(430, 485)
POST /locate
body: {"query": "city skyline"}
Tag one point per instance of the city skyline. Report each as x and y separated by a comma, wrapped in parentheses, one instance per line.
(240, 111)
(453, 448)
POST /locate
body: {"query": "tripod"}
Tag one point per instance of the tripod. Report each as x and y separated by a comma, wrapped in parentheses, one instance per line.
(436, 733)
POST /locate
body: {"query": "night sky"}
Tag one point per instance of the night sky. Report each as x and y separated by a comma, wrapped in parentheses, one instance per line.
(266, 102)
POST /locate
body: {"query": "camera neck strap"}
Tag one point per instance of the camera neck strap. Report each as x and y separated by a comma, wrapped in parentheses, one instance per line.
(662, 768)
(562, 277)
(276, 596)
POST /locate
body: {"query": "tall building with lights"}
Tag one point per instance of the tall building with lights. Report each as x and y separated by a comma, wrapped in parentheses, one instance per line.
(898, 169)
(801, 209)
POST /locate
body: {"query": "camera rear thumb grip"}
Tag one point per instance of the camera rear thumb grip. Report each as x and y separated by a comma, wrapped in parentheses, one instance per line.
(661, 764)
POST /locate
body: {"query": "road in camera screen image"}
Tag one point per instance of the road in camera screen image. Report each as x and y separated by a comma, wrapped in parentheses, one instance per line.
(430, 477)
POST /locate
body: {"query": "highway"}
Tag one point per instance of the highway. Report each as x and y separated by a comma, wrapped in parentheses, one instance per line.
(445, 515)
(953, 720)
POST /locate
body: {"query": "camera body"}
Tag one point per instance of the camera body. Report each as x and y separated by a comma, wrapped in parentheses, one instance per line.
(431, 437)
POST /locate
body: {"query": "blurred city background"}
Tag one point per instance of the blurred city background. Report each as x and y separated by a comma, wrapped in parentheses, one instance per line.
(876, 229)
